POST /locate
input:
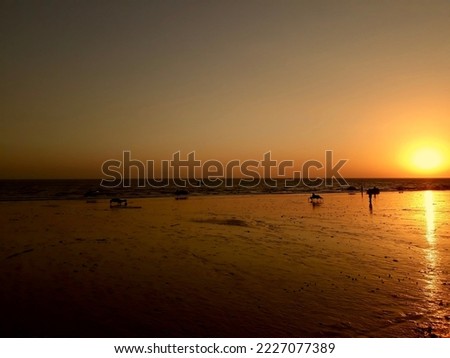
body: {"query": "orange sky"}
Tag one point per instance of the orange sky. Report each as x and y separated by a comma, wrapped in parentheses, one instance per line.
(82, 82)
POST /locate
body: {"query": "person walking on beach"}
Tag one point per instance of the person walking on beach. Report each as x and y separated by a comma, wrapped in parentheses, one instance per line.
(372, 192)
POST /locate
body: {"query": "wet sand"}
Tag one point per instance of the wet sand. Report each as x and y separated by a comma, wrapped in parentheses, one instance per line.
(228, 266)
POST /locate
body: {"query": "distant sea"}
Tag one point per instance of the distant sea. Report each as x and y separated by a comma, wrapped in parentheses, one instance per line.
(90, 188)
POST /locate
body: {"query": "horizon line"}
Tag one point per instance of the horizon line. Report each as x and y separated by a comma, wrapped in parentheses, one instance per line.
(236, 178)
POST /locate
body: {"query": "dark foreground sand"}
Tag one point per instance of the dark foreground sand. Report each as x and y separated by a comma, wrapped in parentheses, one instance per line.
(229, 266)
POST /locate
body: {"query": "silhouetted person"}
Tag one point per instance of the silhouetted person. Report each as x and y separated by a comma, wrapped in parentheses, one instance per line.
(372, 192)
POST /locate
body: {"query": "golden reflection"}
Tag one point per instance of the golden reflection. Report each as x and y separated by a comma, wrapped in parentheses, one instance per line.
(431, 239)
(429, 217)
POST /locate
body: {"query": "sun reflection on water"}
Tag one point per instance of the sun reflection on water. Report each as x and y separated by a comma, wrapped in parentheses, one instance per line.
(430, 235)
(429, 216)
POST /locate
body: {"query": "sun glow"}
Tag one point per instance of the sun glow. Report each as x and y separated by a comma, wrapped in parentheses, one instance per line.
(427, 159)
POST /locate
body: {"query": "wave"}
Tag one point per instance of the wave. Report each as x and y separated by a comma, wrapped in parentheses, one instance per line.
(67, 189)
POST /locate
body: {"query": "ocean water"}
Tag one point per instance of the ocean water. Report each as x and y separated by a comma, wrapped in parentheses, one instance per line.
(93, 188)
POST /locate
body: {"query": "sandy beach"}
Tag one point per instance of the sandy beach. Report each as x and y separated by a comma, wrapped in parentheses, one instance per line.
(227, 266)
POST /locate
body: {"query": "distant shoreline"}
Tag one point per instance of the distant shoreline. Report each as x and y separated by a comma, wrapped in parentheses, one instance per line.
(135, 179)
(194, 195)
(90, 189)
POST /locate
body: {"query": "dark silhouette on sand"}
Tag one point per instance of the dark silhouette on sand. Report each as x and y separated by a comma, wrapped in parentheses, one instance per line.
(315, 198)
(117, 202)
(181, 194)
(372, 192)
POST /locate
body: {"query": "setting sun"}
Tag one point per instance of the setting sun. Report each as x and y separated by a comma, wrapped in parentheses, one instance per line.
(427, 159)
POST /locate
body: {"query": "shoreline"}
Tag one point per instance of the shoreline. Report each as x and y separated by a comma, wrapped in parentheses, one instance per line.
(215, 194)
(31, 190)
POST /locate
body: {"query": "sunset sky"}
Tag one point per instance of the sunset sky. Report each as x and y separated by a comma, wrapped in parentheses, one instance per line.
(81, 81)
